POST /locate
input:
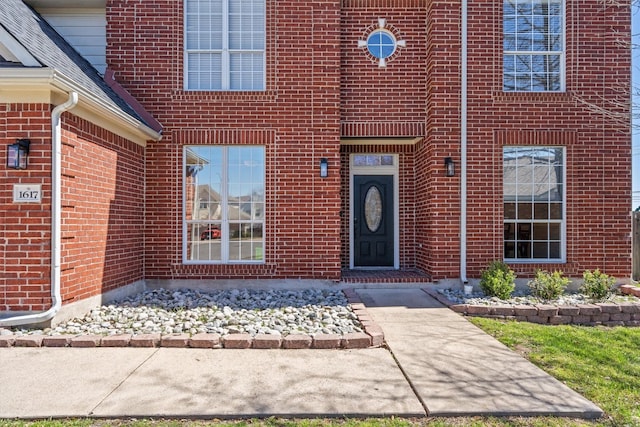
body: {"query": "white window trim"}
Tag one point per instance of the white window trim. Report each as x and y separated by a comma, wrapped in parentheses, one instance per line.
(562, 53)
(376, 170)
(224, 223)
(563, 223)
(225, 53)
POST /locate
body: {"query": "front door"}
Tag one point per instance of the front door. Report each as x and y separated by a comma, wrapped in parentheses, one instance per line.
(373, 221)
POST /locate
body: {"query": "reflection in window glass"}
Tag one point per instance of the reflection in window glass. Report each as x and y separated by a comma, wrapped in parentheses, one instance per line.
(381, 44)
(225, 45)
(373, 160)
(224, 203)
(533, 202)
(533, 44)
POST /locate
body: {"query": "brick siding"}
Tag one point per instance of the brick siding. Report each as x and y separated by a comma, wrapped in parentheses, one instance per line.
(123, 204)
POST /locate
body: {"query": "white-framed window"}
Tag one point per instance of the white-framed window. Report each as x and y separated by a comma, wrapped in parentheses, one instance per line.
(533, 57)
(534, 204)
(225, 45)
(224, 204)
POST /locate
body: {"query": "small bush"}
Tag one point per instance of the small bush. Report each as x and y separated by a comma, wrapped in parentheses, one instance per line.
(597, 286)
(498, 280)
(548, 286)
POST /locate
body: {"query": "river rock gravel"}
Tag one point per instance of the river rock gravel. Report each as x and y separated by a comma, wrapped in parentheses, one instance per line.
(223, 312)
(522, 297)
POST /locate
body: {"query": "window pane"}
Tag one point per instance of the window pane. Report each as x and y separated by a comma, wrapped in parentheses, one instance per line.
(509, 231)
(211, 35)
(554, 250)
(247, 243)
(533, 177)
(525, 211)
(509, 211)
(204, 71)
(224, 203)
(533, 35)
(524, 250)
(540, 250)
(246, 71)
(524, 232)
(555, 211)
(541, 211)
(541, 231)
(509, 249)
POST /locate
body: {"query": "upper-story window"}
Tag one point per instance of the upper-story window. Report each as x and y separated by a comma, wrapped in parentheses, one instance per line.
(225, 45)
(533, 45)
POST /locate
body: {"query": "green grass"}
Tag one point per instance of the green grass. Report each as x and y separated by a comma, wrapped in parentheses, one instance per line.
(603, 364)
(279, 422)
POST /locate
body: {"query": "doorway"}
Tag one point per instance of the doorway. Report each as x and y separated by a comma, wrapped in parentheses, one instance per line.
(374, 222)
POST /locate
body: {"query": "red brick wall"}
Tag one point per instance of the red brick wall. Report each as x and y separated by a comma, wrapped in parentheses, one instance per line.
(296, 119)
(598, 146)
(383, 101)
(102, 211)
(321, 86)
(25, 227)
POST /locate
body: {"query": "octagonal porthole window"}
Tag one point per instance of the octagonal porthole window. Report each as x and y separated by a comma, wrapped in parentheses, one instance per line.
(381, 42)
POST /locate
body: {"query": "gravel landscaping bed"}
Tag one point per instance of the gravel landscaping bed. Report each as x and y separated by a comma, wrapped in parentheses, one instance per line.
(522, 297)
(253, 312)
(620, 309)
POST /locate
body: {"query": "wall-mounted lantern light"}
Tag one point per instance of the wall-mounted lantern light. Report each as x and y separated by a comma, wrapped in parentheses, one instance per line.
(449, 166)
(324, 168)
(18, 153)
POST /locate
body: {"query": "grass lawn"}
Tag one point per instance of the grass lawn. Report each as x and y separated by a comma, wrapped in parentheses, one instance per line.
(603, 364)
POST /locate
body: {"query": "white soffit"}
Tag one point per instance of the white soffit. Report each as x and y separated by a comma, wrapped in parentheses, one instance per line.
(80, 4)
(13, 51)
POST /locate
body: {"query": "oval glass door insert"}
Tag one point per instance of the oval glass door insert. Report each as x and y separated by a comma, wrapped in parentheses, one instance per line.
(373, 209)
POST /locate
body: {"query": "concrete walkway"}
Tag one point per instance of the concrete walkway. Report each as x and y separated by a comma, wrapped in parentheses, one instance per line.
(456, 369)
(439, 364)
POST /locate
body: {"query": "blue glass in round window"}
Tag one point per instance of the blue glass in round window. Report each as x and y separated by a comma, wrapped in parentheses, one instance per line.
(381, 44)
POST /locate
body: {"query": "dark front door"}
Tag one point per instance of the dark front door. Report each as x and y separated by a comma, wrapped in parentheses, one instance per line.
(373, 221)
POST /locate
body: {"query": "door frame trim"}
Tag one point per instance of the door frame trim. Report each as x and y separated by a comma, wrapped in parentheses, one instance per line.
(376, 170)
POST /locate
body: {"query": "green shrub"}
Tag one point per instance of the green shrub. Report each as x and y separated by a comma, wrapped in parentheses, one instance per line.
(597, 286)
(498, 280)
(548, 286)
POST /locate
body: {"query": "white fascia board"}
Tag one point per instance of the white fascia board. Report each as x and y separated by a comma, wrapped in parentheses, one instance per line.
(15, 82)
(13, 51)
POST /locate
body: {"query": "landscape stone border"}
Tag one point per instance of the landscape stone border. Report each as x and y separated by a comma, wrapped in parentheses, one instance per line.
(371, 337)
(606, 314)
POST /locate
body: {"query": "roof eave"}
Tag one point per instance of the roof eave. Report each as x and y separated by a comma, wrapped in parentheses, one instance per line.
(15, 81)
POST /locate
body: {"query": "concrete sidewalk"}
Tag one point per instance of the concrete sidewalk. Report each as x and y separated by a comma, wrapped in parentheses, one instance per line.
(457, 369)
(443, 365)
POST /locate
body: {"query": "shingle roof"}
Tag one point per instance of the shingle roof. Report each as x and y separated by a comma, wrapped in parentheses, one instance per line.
(5, 63)
(53, 51)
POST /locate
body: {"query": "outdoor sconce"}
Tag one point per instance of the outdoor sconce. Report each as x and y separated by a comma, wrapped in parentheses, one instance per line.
(324, 168)
(18, 153)
(449, 166)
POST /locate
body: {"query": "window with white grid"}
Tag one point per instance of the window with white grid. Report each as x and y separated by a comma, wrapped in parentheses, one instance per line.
(533, 33)
(225, 45)
(224, 204)
(534, 207)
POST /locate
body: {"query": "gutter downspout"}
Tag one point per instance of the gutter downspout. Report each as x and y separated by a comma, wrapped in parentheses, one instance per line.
(56, 223)
(463, 143)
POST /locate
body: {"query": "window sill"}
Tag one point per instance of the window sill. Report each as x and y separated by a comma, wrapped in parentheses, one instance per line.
(500, 96)
(225, 96)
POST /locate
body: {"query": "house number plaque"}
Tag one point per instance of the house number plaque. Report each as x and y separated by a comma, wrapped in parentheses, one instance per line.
(29, 193)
